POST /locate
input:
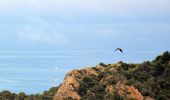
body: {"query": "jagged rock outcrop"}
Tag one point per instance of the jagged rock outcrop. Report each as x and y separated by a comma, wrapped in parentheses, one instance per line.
(134, 93)
(67, 89)
(72, 82)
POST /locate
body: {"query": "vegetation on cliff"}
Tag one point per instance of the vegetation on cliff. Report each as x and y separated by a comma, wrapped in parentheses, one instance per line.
(121, 81)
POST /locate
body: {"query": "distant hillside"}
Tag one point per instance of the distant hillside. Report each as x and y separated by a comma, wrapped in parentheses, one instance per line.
(46, 95)
(121, 81)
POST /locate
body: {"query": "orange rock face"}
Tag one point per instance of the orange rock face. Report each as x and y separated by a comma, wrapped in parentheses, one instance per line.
(128, 92)
(134, 93)
(67, 88)
(71, 82)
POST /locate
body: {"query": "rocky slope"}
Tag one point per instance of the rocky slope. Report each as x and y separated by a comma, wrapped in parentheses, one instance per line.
(120, 81)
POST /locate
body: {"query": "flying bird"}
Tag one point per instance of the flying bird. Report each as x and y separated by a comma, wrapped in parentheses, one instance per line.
(118, 49)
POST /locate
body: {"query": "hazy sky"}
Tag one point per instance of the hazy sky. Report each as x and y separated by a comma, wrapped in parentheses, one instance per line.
(40, 40)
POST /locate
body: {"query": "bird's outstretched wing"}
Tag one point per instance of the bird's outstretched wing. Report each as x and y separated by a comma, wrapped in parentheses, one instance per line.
(118, 49)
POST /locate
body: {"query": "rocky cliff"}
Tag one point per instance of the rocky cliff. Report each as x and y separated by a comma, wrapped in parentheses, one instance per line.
(120, 81)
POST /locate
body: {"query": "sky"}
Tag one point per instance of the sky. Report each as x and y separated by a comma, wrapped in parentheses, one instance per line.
(41, 40)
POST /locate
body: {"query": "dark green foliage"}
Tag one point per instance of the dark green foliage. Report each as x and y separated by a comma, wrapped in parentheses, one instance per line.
(117, 97)
(157, 70)
(47, 95)
(124, 66)
(21, 96)
(164, 59)
(102, 64)
(7, 95)
(111, 81)
(102, 75)
(153, 78)
(82, 90)
(94, 68)
(87, 83)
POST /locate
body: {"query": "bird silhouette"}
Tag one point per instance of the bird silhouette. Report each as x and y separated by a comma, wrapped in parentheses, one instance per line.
(118, 49)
